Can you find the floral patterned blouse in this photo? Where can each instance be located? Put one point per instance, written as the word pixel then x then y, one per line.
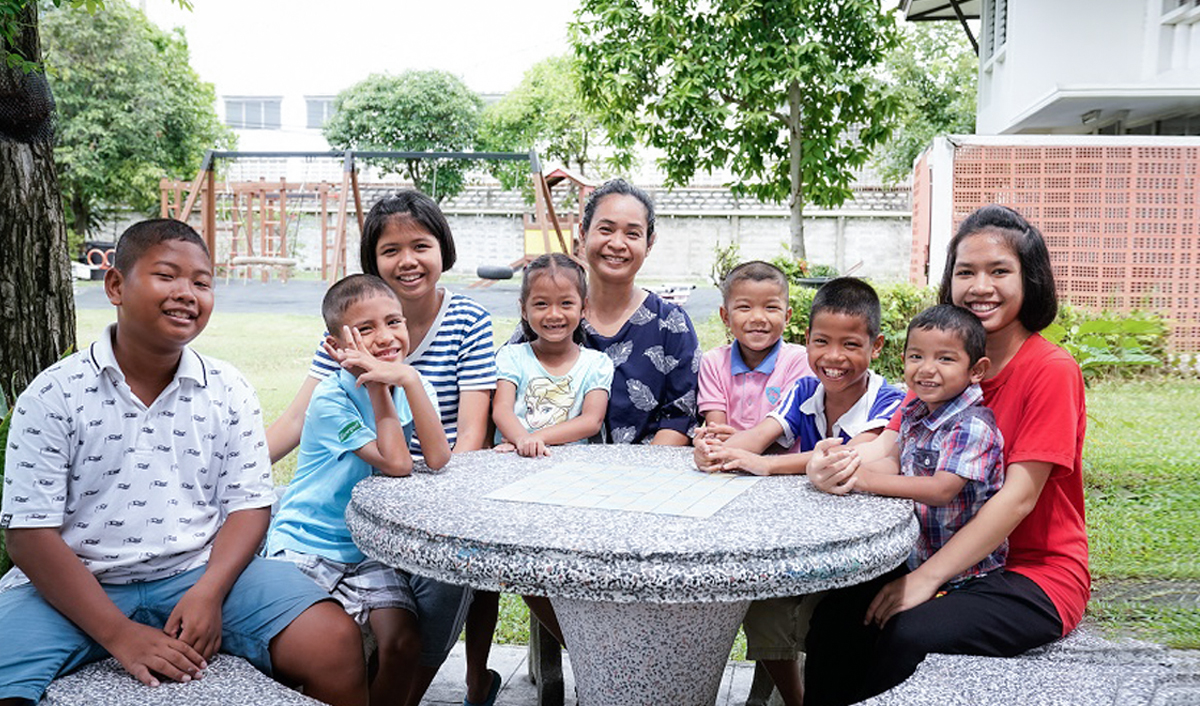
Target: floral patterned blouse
pixel 657 358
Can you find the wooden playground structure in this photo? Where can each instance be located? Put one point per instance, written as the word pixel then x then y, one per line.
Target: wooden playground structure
pixel 257 223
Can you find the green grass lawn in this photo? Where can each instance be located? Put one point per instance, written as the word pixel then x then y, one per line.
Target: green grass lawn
pixel 1142 475
pixel 1141 464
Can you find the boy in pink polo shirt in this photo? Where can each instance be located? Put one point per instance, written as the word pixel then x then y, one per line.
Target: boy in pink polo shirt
pixel 741 382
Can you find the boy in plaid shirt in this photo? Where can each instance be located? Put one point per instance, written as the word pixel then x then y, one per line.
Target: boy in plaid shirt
pixel 948 456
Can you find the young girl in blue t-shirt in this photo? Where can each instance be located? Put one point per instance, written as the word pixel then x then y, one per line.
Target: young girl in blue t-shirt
pixel 551 390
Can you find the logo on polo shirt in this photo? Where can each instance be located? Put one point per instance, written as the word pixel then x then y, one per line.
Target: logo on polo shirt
pixel 773 394
pixel 347 431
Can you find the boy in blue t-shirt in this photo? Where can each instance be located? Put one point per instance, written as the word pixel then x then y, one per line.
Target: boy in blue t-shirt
pixel 360 418
pixel 845 400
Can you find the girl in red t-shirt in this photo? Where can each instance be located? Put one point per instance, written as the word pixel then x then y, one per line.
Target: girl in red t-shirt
pixel 999 268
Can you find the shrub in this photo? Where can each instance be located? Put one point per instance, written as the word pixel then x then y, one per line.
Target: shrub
pixel 1108 344
pixel 900 303
pixel 727 258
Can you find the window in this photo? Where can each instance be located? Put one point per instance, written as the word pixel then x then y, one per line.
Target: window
pixel 995 28
pixel 253 112
pixel 320 109
pixel 1170 6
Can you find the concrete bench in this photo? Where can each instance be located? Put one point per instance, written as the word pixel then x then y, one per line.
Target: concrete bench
pixel 1082 669
pixel 228 680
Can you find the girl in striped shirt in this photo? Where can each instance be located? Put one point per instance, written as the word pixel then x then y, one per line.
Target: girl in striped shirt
pixel 407 242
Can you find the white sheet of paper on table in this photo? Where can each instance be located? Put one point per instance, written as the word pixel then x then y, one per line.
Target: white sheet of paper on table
pixel 664 491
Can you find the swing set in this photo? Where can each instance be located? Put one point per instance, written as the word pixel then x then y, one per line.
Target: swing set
pixel 260 220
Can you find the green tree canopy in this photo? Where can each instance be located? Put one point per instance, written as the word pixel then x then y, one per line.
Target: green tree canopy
pixel 545 112
pixel 417 111
pixel 935 72
pixel 780 92
pixel 130 110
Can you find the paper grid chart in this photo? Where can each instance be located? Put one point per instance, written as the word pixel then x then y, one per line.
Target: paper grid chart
pixel 665 491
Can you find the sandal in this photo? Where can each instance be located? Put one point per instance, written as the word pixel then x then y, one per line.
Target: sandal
pixel 492 692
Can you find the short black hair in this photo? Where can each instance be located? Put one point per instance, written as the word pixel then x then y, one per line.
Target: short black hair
pixel 553 264
pixel 143 235
pixel 624 188
pixel 345 293
pixel 1039 305
pixel 850 296
pixel 956 320
pixel 405 203
pixel 754 271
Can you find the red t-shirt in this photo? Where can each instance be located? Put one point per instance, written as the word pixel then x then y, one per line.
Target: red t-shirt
pixel 1039 406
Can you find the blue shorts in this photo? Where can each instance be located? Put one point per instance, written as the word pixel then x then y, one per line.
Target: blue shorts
pixel 40 644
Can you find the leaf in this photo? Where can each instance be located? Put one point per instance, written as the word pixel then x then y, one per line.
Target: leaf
pixel 1101 326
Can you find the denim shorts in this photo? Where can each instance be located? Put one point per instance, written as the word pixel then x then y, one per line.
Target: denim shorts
pixel 440 608
pixel 40 644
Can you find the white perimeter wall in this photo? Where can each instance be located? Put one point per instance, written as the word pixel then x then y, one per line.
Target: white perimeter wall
pixel 684 249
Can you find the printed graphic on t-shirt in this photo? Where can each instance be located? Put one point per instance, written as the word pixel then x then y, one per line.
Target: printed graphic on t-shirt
pixel 548 402
pixel 349 429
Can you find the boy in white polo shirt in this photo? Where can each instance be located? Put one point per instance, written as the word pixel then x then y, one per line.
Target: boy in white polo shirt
pixel 137 488
pixel 742 381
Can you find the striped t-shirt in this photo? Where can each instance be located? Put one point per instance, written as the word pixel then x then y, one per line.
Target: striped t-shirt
pixel 457 355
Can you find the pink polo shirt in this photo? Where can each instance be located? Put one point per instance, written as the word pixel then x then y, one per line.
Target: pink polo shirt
pixel 746 395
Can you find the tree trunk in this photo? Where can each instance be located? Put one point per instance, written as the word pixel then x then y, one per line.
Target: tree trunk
pixel 795 154
pixel 37 308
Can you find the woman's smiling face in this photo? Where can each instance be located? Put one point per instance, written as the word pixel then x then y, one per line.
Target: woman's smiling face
pixel 616 242
pixel 987 280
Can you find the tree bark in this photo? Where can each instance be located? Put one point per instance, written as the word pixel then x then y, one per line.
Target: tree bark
pixel 37 307
pixel 795 154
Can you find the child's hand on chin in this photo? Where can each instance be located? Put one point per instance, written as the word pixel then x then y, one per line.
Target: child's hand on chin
pixel 356 358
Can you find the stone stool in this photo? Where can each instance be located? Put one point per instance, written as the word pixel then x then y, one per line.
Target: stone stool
pixel 228 680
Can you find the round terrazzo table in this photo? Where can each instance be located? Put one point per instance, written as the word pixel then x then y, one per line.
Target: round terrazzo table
pixel 649 603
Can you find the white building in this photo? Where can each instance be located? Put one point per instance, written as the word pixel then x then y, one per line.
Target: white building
pixel 1081 66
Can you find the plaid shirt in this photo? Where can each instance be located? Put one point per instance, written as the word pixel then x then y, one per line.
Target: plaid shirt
pixel 960 438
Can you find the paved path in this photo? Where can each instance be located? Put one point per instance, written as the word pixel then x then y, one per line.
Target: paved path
pixel 516 689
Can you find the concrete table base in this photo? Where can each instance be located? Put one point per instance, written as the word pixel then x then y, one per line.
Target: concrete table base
pixel 638 654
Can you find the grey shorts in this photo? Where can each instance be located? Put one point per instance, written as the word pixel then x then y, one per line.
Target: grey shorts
pixel 441 608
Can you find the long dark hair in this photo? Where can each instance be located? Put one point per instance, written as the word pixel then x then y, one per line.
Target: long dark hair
pixel 1039 305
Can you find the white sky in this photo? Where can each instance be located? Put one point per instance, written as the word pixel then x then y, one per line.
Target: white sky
pixel 311 47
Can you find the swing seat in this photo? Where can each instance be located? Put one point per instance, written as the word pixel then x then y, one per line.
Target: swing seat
pixel 243 260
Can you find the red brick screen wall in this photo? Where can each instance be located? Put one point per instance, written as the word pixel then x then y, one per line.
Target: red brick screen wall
pixel 919 259
pixel 1120 221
